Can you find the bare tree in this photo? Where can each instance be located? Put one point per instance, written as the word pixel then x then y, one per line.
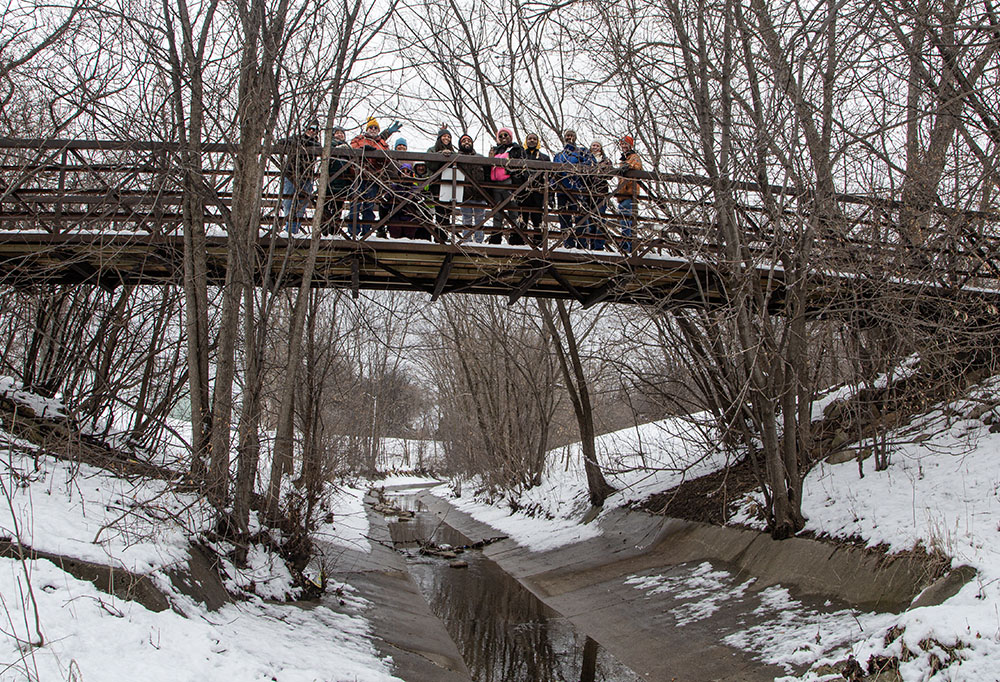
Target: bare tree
pixel 361 24
pixel 495 380
pixel 578 387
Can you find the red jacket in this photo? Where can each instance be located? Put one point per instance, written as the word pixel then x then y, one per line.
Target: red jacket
pixel 367 142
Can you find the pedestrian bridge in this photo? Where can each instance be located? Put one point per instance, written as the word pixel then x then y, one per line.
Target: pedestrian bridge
pixel 114 213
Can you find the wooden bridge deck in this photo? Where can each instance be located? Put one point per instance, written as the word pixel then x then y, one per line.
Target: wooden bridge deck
pixel 111 213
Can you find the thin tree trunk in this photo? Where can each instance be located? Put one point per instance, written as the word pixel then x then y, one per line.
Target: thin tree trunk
pixel 579 395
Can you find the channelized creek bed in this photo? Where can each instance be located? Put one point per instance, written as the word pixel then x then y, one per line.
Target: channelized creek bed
pixel 504 632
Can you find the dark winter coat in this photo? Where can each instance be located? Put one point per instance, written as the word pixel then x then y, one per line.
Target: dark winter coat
pixel 300 154
pixel 340 182
pixel 433 167
pixel 471 194
pixel 535 196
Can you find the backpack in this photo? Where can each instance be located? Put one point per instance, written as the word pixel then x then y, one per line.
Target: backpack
pixel 499 173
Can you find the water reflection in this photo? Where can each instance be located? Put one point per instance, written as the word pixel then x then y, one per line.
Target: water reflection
pixel 504 632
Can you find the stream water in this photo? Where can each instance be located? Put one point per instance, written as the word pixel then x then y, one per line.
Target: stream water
pixel 504 632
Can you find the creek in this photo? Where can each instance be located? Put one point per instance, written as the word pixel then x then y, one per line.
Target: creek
pixel 505 634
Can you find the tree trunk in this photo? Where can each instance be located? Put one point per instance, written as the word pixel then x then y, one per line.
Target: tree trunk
pixel 579 394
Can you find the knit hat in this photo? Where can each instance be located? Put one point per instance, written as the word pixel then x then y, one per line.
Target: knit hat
pixel 313 124
pixel 399 141
pixel 627 139
pixel 405 166
pixel 339 128
pixel 506 130
pixel 444 131
pixel 466 135
pixel 371 122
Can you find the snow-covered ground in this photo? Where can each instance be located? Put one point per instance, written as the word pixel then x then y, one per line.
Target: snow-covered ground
pixel 56 627
pixel 941 492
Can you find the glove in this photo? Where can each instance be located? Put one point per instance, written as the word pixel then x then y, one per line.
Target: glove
pixel 393 127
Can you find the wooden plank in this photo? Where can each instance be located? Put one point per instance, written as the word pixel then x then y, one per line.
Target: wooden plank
pixel 355 277
pixel 442 277
pixel 525 284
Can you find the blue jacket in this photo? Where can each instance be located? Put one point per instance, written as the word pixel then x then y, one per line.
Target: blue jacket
pixel 572 153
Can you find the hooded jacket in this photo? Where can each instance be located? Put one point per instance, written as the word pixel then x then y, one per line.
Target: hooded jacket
pixel 439 147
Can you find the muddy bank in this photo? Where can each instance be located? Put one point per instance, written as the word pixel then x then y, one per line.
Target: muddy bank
pixel 199 579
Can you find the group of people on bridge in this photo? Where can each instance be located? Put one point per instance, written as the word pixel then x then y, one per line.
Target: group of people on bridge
pixel 411 202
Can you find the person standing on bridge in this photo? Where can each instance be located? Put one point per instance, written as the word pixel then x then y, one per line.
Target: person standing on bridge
pixel 596 197
pixel 388 202
pixel 363 208
pixel 301 152
pixel 442 213
pixel 627 192
pixel 339 184
pixel 571 223
pixel 505 148
pixel 473 213
pixel 534 200
pixel 405 197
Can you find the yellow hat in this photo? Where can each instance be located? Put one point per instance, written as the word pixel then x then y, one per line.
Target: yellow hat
pixel 372 122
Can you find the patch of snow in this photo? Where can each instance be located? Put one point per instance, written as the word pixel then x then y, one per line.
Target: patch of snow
pixel 89 635
pixel 704 589
pixel 43 407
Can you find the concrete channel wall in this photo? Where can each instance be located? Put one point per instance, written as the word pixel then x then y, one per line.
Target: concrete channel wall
pixel 585 582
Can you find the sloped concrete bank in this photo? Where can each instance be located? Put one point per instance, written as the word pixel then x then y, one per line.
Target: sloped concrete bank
pixel 586 583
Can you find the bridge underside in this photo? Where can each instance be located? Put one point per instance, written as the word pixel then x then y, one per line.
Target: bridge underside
pixel 110 260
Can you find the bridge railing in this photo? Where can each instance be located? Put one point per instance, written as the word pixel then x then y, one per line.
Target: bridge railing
pixel 62 186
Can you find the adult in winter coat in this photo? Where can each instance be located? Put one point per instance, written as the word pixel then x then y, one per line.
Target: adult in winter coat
pixel 505 148
pixel 363 208
pixel 387 204
pixel 596 197
pixel 627 192
pixel 301 152
pixel 338 187
pixel 571 191
pixel 473 215
pixel 442 212
pixel 422 196
pixel 534 200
